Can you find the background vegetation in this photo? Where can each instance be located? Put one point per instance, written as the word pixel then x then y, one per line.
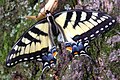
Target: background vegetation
pixel 105 49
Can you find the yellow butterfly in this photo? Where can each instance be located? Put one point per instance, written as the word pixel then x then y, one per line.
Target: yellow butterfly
pixel 73 25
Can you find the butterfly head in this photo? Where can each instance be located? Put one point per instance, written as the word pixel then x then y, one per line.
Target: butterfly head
pixel 48 13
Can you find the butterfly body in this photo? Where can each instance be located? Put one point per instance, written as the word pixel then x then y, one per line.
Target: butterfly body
pixel 74 25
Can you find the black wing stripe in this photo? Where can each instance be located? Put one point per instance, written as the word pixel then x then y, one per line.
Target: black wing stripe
pixel 27 39
pixel 28 36
pixel 69 15
pixel 79 15
pixel 38 32
pixel 89 14
pixel 20 43
pixel 77 19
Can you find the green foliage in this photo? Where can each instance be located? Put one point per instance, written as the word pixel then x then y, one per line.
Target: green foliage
pixel 3 53
pixel 115 68
pixel 72 3
pixel 1 2
pixel 10 33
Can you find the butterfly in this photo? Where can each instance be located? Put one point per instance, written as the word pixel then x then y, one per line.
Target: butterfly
pixel 38 42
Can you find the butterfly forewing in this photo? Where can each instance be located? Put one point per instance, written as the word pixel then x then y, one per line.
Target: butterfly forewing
pixel 32 44
pixel 83 25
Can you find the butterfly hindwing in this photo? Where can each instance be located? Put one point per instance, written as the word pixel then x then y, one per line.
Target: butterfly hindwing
pixel 32 44
pixel 83 25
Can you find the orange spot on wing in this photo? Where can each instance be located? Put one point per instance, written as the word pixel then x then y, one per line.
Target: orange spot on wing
pixel 75 53
pixel 69 49
pixel 54 54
